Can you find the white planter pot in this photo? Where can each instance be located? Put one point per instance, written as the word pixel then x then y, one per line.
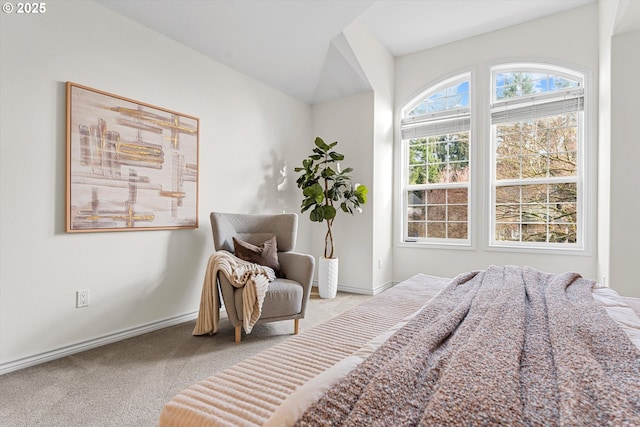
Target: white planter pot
pixel 328 277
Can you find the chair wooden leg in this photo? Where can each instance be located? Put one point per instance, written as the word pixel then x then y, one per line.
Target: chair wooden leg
pixel 296 326
pixel 238 333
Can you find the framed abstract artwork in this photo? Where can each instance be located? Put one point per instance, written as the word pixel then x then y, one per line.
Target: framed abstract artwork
pixel 130 165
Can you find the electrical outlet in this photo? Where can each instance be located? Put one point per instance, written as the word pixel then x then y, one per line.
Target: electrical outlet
pixel 82 298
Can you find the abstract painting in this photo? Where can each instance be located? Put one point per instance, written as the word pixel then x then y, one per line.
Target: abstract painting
pixel 130 165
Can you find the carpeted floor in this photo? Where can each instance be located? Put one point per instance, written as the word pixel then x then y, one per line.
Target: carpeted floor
pixel 126 383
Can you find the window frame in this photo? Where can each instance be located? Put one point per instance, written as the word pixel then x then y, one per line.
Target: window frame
pixel 405 187
pixel 582 157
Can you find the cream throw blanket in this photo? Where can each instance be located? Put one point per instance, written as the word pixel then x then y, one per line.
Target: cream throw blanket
pixel 252 278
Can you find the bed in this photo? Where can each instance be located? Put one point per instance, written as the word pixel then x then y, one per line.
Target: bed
pixel 552 349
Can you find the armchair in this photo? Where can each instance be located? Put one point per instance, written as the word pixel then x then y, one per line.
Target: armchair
pixel 286 297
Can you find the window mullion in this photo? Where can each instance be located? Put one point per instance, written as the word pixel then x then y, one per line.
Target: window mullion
pixel 535 181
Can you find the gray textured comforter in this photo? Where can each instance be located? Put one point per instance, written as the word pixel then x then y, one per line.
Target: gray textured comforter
pixel 506 346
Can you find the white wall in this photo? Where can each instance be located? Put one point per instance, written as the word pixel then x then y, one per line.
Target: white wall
pixel 378 65
pixel 362 124
pixel 625 151
pixel 248 133
pixel 350 122
pixel 606 17
pixel 569 38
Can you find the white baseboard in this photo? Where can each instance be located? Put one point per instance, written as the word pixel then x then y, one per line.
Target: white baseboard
pixel 383 287
pixel 374 291
pixel 15 365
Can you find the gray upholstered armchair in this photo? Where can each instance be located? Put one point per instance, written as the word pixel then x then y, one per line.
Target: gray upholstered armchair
pixel 287 296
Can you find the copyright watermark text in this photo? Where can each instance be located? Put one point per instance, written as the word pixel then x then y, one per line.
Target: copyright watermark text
pixel 25 8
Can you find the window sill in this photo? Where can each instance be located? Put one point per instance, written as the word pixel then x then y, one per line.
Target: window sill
pixel 466 245
pixel 573 250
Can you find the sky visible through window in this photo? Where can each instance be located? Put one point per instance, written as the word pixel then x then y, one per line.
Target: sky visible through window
pixel 516 83
pixel 448 98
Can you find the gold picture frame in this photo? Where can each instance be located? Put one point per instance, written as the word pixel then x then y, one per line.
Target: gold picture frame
pixel 130 165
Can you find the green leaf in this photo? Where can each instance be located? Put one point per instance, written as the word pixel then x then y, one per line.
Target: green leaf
pixel 327 172
pixel 333 193
pixel 321 145
pixel 361 193
pixel 336 156
pixel 329 212
pixel 317 214
pixel 314 192
pixel 308 202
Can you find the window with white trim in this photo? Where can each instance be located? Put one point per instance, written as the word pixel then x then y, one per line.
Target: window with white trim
pixel 436 136
pixel 537 154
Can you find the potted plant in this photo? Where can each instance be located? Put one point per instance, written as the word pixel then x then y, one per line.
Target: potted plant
pixel 327 190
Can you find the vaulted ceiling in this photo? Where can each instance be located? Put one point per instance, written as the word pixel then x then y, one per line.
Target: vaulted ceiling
pixel 297 47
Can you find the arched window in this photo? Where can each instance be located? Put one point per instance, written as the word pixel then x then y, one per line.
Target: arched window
pixel 436 129
pixel 537 132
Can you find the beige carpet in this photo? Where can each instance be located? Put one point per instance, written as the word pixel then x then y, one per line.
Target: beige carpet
pixel 126 383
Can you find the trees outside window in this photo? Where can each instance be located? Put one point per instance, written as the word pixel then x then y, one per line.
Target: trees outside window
pixel 537 128
pixel 535 165
pixel 436 146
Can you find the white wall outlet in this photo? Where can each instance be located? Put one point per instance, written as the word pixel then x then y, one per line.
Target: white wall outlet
pixel 82 298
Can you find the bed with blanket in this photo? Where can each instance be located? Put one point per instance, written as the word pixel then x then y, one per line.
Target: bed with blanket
pixel 502 346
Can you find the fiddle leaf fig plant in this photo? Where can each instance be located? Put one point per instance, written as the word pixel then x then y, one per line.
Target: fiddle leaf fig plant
pixel 326 187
